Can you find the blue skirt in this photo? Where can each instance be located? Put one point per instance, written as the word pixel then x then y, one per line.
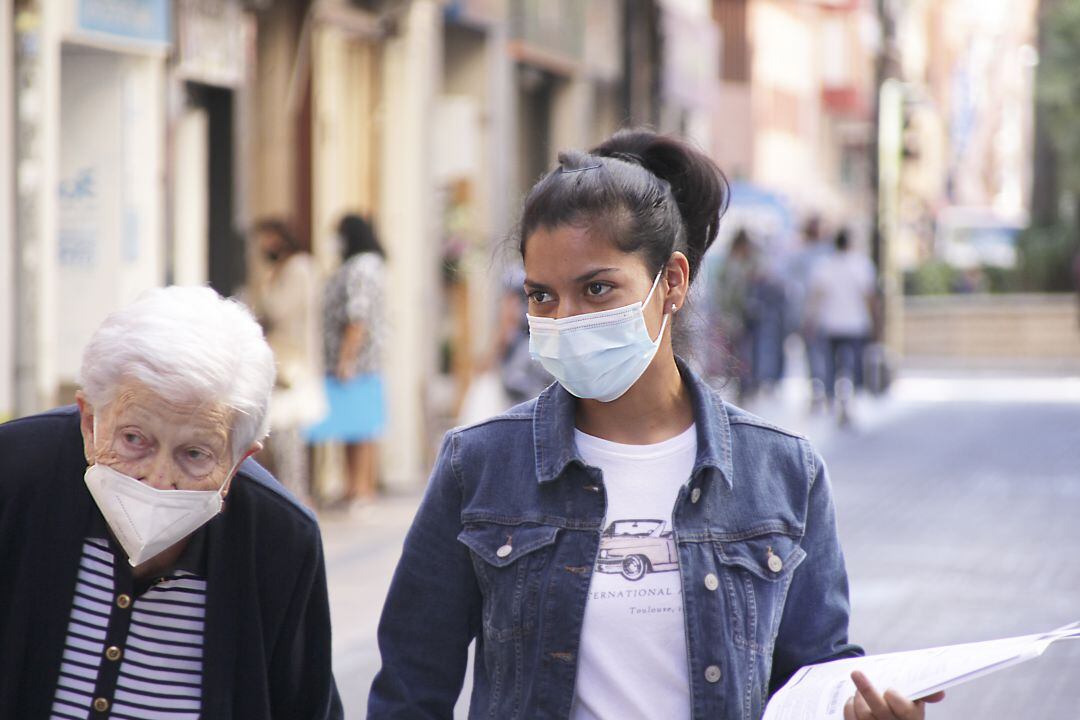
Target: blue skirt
pixel 356 410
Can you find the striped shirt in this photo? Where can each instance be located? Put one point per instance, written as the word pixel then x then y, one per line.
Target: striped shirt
pixel 130 655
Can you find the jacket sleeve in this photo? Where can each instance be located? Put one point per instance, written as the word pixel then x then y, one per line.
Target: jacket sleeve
pixel 432 609
pixel 302 682
pixel 808 637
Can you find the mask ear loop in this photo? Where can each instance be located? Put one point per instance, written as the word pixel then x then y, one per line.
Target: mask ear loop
pixel 225 486
pixel 94 425
pixel 648 298
pixel 655 283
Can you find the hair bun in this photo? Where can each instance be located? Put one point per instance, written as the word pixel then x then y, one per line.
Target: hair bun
pixel 699 187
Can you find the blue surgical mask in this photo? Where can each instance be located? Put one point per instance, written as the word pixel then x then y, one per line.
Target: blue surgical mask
pixel 597 355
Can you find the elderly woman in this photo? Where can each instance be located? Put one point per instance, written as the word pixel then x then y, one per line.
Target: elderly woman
pixel 149 569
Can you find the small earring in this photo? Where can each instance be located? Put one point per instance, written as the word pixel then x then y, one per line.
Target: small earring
pixel 673 308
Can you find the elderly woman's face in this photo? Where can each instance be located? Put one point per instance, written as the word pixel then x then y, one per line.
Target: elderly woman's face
pixel 165 445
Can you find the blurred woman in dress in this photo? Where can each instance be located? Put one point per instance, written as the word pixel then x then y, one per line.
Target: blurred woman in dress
pixel 353 332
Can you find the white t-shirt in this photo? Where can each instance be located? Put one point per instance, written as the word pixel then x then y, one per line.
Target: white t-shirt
pixel 841 283
pixel 632 661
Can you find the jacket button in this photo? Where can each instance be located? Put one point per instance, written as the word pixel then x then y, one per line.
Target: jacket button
pixel 712 673
pixel 775 563
pixel 101 704
pixel 113 653
pixel 695 495
pixel 711 582
pixel 123 601
pixel 504 551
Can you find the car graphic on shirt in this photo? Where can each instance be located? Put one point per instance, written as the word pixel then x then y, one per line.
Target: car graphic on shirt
pixel 636 548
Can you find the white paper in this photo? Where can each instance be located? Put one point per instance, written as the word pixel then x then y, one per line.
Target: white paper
pixel 818 692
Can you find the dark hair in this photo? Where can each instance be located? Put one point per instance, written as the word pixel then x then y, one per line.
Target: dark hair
pixel 654 194
pixel 280 229
pixel 358 236
pixel 741 240
pixel 842 240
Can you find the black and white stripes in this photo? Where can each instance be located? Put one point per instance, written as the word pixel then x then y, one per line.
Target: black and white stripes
pixel 131 657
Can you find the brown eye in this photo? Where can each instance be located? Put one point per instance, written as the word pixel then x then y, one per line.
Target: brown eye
pixel 539 296
pixel 597 289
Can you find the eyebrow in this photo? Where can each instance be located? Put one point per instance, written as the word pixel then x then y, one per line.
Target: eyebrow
pixel 585 277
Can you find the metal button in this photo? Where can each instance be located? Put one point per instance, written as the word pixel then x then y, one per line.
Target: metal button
pixel 123 601
pixel 712 673
pixel 113 653
pixel 775 563
pixel 711 582
pixel 101 704
pixel 504 551
pixel 695 495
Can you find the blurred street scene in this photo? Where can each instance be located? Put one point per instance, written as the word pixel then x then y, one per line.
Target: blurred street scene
pixel 898 275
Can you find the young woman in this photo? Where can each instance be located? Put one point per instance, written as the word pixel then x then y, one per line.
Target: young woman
pixel 626 545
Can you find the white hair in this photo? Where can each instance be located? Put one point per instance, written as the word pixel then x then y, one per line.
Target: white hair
pixel 186 344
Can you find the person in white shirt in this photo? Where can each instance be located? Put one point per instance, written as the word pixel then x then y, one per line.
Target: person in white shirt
pixel 842 309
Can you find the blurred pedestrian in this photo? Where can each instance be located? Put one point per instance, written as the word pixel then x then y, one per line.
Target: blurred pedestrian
pixel 508 375
pixel 627 544
pixel 800 271
pixel 150 570
pixel 522 377
pixel 770 304
pixel 736 310
pixel 841 309
pixel 353 335
pixel 286 297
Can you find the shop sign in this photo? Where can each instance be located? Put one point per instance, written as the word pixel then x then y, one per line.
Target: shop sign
pixel 211 40
pixel 144 22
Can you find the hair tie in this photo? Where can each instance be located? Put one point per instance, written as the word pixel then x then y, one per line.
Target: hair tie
pixel 564 171
pixel 632 158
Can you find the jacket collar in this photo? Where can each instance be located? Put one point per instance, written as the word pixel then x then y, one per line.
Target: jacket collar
pixel 553 429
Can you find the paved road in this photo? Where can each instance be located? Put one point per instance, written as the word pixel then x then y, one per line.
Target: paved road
pixel 959 507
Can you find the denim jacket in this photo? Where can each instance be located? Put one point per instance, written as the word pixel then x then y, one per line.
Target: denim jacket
pixel 756 514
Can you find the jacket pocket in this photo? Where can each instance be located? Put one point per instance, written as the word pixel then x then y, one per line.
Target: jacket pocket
pixel 757 574
pixel 510 562
pixel 771 557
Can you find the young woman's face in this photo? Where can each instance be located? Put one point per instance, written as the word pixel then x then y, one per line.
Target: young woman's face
pixel 570 271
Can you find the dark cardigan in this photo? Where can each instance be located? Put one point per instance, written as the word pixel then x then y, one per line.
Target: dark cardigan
pixel 267 641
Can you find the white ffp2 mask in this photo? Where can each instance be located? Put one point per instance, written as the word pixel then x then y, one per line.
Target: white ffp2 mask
pixel 596 355
pixel 147 521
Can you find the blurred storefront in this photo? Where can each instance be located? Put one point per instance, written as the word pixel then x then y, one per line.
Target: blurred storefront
pixel 207 143
pixel 90 117
pixel 805 134
pixel 169 126
pixel 7 218
pixel 691 70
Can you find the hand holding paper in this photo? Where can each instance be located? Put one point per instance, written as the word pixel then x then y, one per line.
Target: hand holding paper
pixel 820 692
pixel 869 704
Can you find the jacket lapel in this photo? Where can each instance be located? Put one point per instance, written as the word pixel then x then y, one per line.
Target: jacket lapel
pixel 61 516
pixel 222 623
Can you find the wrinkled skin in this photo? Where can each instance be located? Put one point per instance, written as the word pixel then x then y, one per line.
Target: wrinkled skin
pixel 166 445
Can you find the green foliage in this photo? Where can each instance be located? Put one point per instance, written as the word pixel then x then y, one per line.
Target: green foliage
pixel 998 280
pixel 1057 85
pixel 1046 257
pixel 933 277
